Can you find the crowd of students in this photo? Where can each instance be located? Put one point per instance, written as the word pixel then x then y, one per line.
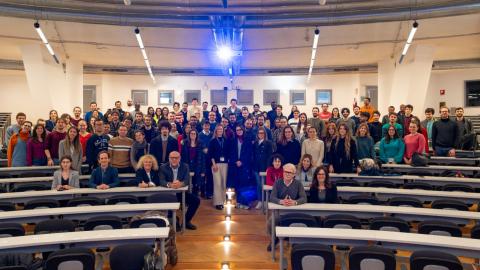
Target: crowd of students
pixel 229 148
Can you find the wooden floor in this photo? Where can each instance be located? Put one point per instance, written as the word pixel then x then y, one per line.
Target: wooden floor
pixel 204 248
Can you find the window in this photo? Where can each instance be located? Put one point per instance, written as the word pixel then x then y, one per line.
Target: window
pixel 323 96
pixel 140 97
pixel 218 97
pixel 297 97
pixel 270 96
pixel 245 97
pixel 472 93
pixel 191 94
pixel 166 97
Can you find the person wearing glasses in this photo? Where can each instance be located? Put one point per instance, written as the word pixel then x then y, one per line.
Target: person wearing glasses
pixel 287 192
pixel 175 174
pixel 321 189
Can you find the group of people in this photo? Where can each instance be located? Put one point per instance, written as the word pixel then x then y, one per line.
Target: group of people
pixel 229 148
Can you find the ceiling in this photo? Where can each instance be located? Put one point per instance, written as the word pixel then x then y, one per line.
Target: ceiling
pixel 456 37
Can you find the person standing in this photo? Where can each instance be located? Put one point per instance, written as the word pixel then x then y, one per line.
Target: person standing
pixel 317 122
pixel 342 156
pixel 367 107
pixel 119 151
pixel 444 134
pixel 289 147
pixel 70 146
pixel 262 154
pixel 218 152
pixel 97 143
pixel 428 123
pixel 162 145
pixel 414 143
pixel 17 146
pixel 314 147
pixel 15 128
pixel 325 115
pixel 36 147
pixel 466 136
pixel 53 142
pixel 77 116
pixel 192 154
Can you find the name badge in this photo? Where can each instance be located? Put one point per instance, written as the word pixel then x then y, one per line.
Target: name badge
pixel 222 159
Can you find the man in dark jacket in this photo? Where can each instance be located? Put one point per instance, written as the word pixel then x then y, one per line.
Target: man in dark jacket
pixel 162 145
pixel 466 135
pixel 175 174
pixel 444 135
pixel 98 142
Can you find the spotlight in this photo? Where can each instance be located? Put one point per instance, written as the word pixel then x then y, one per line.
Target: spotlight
pixel 227 238
pixel 225 53
pixel 228 218
pixel 225 266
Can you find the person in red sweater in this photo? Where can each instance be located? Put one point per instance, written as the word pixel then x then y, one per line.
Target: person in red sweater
pixel 414 142
pixel 84 136
pixel 275 171
pixel 423 131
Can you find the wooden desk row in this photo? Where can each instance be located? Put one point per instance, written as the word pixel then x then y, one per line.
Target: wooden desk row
pixel 88 239
pixel 22 197
pixel 393 240
pixel 372 211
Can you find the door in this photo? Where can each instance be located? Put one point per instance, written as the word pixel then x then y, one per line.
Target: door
pixel 89 95
pixel 372 93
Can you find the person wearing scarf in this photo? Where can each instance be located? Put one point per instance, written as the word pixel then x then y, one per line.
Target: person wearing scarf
pixel 139 148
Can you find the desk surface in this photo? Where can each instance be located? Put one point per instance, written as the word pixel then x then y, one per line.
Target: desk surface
pixel 411 192
pixel 459 180
pixel 431 167
pixel 87 191
pixel 79 210
pixel 458 243
pixel 31 241
pixel 358 208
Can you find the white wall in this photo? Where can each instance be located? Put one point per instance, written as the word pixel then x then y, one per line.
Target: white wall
pixel 453 81
pixel 15 94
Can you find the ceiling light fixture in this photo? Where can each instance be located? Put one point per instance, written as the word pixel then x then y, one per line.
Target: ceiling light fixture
pixel 225 53
pixel 45 41
pixel 144 53
pixel 314 52
pixel 409 41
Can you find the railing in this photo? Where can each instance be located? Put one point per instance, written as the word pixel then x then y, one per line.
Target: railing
pixel 5 121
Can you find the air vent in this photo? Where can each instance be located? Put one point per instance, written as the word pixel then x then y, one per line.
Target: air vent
pixel 118 70
pixel 182 71
pixel 282 71
pixel 345 69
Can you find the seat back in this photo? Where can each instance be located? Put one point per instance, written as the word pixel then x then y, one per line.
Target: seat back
pixel 450 204
pixel 298 220
pixel 30 187
pixel 312 257
pixel 16 267
pixel 391 224
pixel 129 256
pixel 162 198
pixel 372 258
pixel 405 202
pixel 342 222
pixel 54 226
pixel 11 229
pixel 41 203
pixel 149 223
pixel 422 260
pixel 346 183
pixel 84 201
pixel 7 206
pixel 475 232
pixel 103 223
pixel 417 185
pixel 363 199
pixel 381 183
pixel 122 199
pixel 71 259
pixel 444 228
pixel 458 187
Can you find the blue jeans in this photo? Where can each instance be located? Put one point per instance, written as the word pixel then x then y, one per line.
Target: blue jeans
pixel 259 181
pixel 442 151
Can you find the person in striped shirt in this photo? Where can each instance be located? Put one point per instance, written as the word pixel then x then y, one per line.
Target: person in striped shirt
pixel 119 151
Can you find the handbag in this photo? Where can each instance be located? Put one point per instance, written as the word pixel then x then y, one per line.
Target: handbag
pixel 419 160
